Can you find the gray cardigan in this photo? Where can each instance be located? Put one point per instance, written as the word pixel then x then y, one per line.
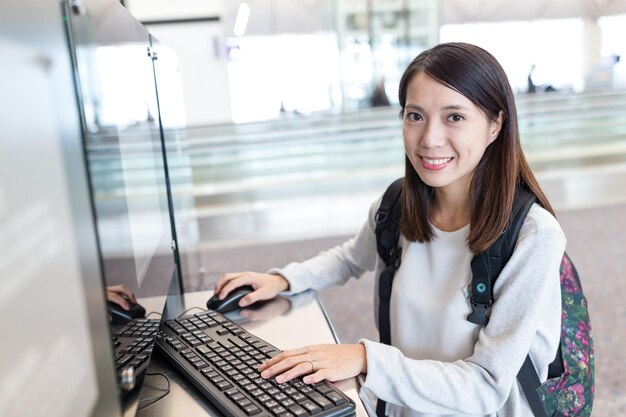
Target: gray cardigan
pixel 526 316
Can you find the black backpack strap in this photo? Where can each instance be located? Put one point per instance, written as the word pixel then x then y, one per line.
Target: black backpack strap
pixel 529 380
pixel 487 265
pixel 486 268
pixel 388 222
pixel 387 238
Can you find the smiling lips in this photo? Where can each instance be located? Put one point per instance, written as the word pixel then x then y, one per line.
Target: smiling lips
pixel 435 164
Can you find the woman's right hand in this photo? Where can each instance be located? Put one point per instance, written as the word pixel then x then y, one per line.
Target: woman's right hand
pixel 121 295
pixel 266 286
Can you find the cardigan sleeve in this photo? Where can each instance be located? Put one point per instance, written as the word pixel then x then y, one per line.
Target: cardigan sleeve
pixel 526 296
pixel 335 266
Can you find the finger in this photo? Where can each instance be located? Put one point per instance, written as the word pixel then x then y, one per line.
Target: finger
pixel 118 299
pixel 243 279
pixel 224 280
pixel 281 357
pixel 303 368
pixel 254 296
pixel 115 288
pixel 279 364
pixel 316 377
pixel 124 290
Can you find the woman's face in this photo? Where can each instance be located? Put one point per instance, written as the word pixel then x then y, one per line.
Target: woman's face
pixel 445 134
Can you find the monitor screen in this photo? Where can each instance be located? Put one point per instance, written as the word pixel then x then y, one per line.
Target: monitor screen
pixel 123 145
pixel 125 154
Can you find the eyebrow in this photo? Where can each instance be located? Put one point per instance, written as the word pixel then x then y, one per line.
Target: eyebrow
pixel 448 107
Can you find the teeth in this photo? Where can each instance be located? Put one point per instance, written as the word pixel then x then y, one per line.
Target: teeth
pixel 437 161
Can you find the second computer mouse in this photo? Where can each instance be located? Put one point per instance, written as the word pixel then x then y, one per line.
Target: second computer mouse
pixel 119 315
pixel 231 301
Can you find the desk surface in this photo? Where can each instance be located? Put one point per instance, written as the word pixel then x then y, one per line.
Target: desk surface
pixel 286 323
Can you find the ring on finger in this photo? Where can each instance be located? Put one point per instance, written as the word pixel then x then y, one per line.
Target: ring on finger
pixel 312 366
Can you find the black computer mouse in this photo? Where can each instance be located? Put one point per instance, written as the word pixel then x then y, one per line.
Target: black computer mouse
pixel 119 315
pixel 231 301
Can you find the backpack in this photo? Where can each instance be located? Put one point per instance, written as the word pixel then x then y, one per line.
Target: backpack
pixel 569 389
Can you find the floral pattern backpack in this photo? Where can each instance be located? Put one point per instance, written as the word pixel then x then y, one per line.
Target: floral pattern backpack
pixel 569 390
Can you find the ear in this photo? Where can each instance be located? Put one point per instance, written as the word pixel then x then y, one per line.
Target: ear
pixel 495 126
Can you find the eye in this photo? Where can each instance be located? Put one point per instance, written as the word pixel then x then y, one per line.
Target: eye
pixel 413 117
pixel 456 117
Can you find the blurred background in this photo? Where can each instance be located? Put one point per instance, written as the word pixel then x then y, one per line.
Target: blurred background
pixel 287 130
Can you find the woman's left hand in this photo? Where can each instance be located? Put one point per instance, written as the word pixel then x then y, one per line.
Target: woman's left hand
pixel 317 362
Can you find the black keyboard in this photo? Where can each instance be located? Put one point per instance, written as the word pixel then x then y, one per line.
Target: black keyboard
pixel 133 345
pixel 221 360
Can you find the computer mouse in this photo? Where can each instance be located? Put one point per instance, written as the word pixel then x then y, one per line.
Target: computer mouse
pixel 119 315
pixel 231 301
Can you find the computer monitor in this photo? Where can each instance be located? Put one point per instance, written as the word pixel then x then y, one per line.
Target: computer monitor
pixel 123 145
pixel 55 355
pixel 123 138
pixel 83 200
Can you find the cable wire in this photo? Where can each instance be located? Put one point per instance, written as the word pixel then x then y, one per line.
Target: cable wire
pixel 147 402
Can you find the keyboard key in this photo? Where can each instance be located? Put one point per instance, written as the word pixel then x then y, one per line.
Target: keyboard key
pixel 310 406
pixel 263 398
pixel 335 398
pixel 232 392
pixel 252 410
pixel 124 360
pixel 227 345
pixel 280 396
pixel 271 404
pixel 298 411
pixel 237 397
pixel 278 410
pixel 299 398
pixel 209 373
pixel 323 388
pixel 133 364
pixel 306 389
pixel 288 403
pixel 203 349
pixel 238 342
pixel 321 401
pixel 223 385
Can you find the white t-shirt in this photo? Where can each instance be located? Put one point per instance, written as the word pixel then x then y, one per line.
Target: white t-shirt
pixel 429 303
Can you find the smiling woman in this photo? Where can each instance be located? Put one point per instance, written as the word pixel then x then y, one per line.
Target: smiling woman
pixel 463 165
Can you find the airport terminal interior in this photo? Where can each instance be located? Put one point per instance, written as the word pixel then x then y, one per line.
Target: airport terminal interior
pixel 269 124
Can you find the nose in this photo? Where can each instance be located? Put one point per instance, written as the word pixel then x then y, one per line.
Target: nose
pixel 433 135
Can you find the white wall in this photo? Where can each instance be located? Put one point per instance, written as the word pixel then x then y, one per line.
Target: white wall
pixel 200 47
pixel 203 68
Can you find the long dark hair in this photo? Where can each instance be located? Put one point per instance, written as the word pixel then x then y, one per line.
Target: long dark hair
pixel 477 75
